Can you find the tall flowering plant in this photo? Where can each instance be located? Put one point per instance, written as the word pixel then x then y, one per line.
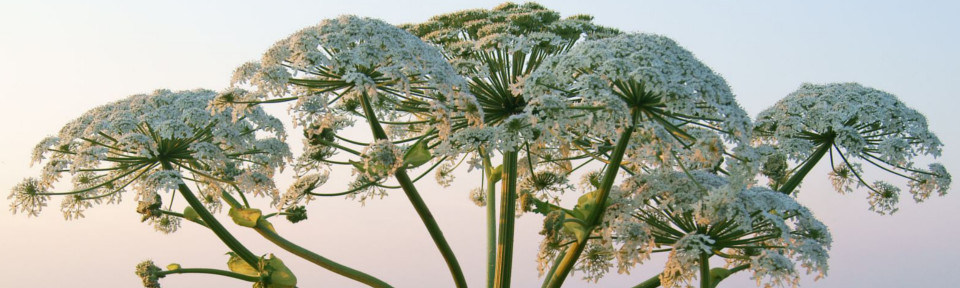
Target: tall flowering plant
pixel 667 160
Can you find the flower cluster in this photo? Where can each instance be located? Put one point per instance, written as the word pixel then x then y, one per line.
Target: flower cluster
pixel 341 59
pixel 153 143
pixel 497 50
pixel 856 123
pixel 600 87
pixel 700 213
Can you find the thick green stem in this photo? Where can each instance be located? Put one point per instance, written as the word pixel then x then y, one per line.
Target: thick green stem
pixel 243 277
pixel 705 271
pixel 508 210
pixel 609 175
pixel 798 176
pixel 213 224
pixel 268 233
pixel 491 190
pixel 406 184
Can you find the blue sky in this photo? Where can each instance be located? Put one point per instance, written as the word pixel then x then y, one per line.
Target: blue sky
pixel 59 59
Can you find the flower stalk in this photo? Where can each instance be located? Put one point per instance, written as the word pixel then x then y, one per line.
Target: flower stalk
pixel 609 175
pixel 406 184
pixel 213 223
pixel 230 274
pixel 266 230
pixel 801 173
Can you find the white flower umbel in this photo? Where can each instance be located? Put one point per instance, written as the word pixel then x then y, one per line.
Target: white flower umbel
pixel 125 144
pixel 600 87
pixel 855 125
pixel 496 50
pixel 700 213
pixel 330 65
pixel 380 160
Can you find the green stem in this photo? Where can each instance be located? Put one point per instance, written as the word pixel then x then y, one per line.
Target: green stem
pixel 406 184
pixel 705 271
pixel 717 274
pixel 508 210
pixel 553 269
pixel 798 176
pixel 266 230
pixel 432 227
pixel 243 277
pixel 653 282
pixel 609 175
pixel 213 224
pixel 491 190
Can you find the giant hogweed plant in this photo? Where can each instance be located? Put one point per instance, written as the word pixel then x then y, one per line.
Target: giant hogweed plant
pixel 667 161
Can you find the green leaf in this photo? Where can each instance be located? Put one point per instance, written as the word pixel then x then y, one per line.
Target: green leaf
pixel 280 275
pixel 574 227
pixel 497 174
pixel 190 214
pixel 245 217
pixel 541 207
pixel 586 204
pixel 266 224
pixel 417 155
pixel 237 265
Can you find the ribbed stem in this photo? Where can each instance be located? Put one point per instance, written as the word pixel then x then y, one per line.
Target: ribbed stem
pixel 213 224
pixel 508 210
pixel 609 175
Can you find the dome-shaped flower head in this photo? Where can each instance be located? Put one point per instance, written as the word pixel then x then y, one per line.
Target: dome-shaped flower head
pixel 853 123
pixel 496 50
pixel 126 144
pixel 353 68
pixel 600 87
pixel 331 65
pixel 700 213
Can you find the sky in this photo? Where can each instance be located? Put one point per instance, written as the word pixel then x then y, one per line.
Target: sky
pixel 61 58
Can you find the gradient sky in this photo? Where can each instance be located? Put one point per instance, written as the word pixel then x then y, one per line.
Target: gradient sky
pixel 59 59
